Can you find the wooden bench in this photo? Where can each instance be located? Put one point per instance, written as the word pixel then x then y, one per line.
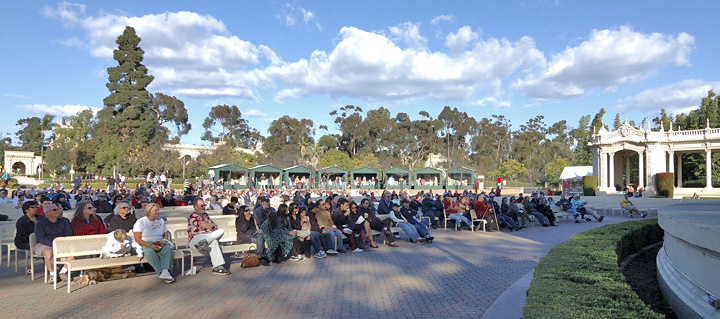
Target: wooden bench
pixel 88 247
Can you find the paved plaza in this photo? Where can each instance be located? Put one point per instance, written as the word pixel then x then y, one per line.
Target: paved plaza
pixel 459 275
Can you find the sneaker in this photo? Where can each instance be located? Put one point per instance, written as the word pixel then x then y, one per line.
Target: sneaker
pixel 52 279
pixel 577 221
pixel 332 252
pixel 601 218
pixel 165 275
pixel 202 246
pixel 347 231
pixel 220 270
pixel 320 255
pixel 295 258
pixel 342 251
pixel 429 239
pixel 357 250
pixel 643 215
pixel 587 219
pixel 421 240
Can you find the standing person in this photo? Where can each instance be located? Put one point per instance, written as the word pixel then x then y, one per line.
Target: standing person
pixel 151 233
pixel 260 214
pixel 77 183
pixel 46 230
pixel 4 177
pixel 499 182
pixel 204 235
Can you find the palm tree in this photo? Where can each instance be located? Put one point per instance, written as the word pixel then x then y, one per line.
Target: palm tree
pixel 46 124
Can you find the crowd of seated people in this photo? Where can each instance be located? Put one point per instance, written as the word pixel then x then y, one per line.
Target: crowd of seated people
pixel 286 224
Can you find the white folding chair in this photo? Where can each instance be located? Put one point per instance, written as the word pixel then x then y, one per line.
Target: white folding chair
pixel 32 256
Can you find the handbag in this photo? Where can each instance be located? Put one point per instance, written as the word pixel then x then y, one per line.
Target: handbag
pixel 250 260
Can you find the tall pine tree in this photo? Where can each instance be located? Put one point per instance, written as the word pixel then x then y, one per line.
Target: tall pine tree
pixel 126 121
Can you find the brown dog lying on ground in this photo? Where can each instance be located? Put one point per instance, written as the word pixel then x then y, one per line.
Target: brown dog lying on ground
pixel 92 277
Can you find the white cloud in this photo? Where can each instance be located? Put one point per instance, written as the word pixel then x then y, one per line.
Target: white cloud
pixel 370 66
pixel 253 113
pixel 457 42
pixel 191 54
pixel 17 96
pixel 442 17
pixel 409 33
pixel 57 110
pixel 608 58
pixel 290 13
pixel 675 98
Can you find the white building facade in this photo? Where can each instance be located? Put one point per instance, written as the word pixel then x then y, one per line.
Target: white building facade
pixel 658 152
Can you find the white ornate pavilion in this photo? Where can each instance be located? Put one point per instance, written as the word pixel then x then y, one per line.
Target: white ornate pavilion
pixel 658 152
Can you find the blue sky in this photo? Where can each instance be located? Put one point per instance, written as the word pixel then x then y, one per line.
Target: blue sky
pixel 560 59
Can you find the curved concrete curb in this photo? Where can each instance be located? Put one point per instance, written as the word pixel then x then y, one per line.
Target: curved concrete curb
pixel 510 303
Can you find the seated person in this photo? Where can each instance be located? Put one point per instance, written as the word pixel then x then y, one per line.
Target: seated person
pixel 429 209
pixel 168 200
pixel 413 218
pixel 213 204
pixel 118 244
pixel 204 235
pixel 25 225
pixel 276 238
pixel 330 230
pixel 245 225
pixel 152 235
pixel 102 206
pixel 485 211
pixel 46 230
pixel 510 208
pixel 581 206
pixel 346 215
pixel 530 209
pixel 503 219
pixel 86 222
pixel 453 213
pixel 627 204
pixel 375 223
pixel 122 218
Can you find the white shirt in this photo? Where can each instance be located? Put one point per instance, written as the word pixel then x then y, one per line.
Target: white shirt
pixel 113 248
pixel 5 200
pixel 152 231
pixel 215 206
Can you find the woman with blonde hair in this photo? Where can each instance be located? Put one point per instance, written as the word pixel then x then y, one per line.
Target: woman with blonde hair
pixel 152 235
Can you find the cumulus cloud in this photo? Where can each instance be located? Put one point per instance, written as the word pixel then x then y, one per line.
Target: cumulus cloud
pixel 371 66
pixel 409 34
pixel 608 58
pixel 57 110
pixel 441 18
pixel 290 13
pixel 192 54
pixel 676 98
pixel 457 42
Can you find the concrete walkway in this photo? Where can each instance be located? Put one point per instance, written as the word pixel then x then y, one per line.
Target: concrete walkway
pixel 461 275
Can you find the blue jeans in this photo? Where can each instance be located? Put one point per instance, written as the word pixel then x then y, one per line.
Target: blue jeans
pixel 432 215
pixel 422 229
pixel 509 223
pixel 318 241
pixel 410 230
pixel 334 239
pixel 457 217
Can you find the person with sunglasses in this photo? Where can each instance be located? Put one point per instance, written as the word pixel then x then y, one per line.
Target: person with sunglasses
pixel 86 222
pixel 46 230
pixel 25 225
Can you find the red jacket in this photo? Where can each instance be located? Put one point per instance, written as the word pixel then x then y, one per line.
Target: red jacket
pixel 482 208
pixel 448 204
pixel 82 227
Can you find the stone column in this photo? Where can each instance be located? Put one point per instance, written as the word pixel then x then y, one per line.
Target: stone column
pixel 679 170
pixel 611 172
pixel 671 162
pixel 627 170
pixel 641 169
pixel 708 168
pixel 603 170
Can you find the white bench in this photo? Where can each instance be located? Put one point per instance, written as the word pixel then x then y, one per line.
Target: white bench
pixel 88 247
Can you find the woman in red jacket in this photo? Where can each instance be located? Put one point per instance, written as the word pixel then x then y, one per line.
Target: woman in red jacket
pixel 85 222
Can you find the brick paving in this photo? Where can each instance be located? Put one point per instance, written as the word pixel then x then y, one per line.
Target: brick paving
pixel 457 276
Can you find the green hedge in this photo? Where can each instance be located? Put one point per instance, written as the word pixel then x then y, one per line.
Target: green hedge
pixel 590 184
pixel 580 278
pixel 665 184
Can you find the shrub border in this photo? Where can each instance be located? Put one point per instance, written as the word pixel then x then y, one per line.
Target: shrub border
pixel 580 278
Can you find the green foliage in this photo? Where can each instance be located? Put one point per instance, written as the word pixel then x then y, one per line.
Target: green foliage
pixel 290 141
pixel 510 170
pixel 170 110
pixel 665 183
pixel 554 169
pixel 32 132
pixel 335 157
pixel 580 278
pixel 590 184
pixel 225 124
